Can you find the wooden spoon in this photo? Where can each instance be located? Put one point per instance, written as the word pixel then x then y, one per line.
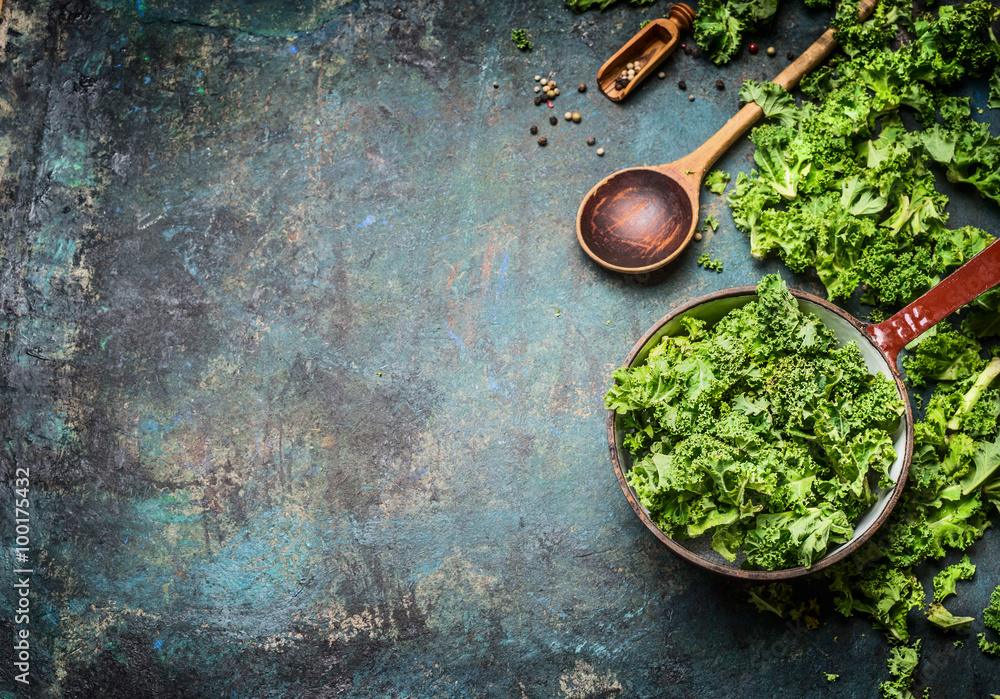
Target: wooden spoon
pixel 649 47
pixel 640 218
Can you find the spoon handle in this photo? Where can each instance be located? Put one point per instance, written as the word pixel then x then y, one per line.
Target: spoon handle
pixel 978 275
pixel 705 156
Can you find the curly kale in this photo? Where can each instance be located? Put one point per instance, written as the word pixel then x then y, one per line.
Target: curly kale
pixel 902 664
pixel 760 431
pixel 584 5
pixel 520 39
pixel 947 579
pixel 721 24
pixel 944 356
pixel 844 187
pixel 991 618
pixel 716 181
pixel 983 319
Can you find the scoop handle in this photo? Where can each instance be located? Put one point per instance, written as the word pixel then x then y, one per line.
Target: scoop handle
pixel 977 276
pixel 705 156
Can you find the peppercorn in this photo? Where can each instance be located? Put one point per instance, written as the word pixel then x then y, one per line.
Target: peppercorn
pixel 690 98
pixel 537 89
pixel 661 75
pixel 576 117
pixel 553 120
pixel 538 78
pixel 591 141
pixel 697 237
pixel 556 91
pixel 569 116
pixel 696 52
pixel 542 141
pixel 682 85
pixel 533 130
pixel 719 85
pixel 496 85
pixel 771 51
pixel 741 104
pixel 621 83
pixel 600 151
pixel 550 93
pixel 582 87
pixel 752 48
pixel 790 56
pixel 687 50
pixel 538 100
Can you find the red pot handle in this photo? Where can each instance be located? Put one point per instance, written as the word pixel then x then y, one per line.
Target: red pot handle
pixel 978 275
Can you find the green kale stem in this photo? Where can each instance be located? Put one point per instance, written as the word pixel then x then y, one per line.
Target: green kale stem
pixel 973 395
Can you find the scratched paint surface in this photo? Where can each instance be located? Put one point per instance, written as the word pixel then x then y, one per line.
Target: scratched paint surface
pixel 307 365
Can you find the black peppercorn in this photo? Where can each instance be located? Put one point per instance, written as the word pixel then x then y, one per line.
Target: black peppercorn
pixel 553 120
pixel 542 141
pixel 719 85
pixel 790 56
pixel 682 85
pixel 538 101
pixel 533 129
pixel 696 53
pixel 495 85
pixel 591 141
pixel 621 83
pixel 582 88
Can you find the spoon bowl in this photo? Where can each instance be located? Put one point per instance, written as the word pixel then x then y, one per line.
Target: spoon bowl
pixel 636 220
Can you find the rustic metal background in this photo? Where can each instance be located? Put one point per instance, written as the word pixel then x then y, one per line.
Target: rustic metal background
pixel 307 365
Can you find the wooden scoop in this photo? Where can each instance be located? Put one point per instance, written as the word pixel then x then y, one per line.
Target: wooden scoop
pixel 639 219
pixel 649 47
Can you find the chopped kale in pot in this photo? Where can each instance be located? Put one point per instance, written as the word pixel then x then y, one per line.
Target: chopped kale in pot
pixel 761 431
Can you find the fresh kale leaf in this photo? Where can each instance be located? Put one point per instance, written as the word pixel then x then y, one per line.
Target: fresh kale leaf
pixel 775 101
pixel 716 181
pixel 584 5
pixel 986 461
pixel 947 579
pixel 902 664
pixel 945 620
pixel 720 24
pixel 983 319
pixel 991 618
pixel 945 356
pixel 520 39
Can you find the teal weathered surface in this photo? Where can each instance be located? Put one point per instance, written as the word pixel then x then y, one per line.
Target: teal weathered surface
pixel 307 365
